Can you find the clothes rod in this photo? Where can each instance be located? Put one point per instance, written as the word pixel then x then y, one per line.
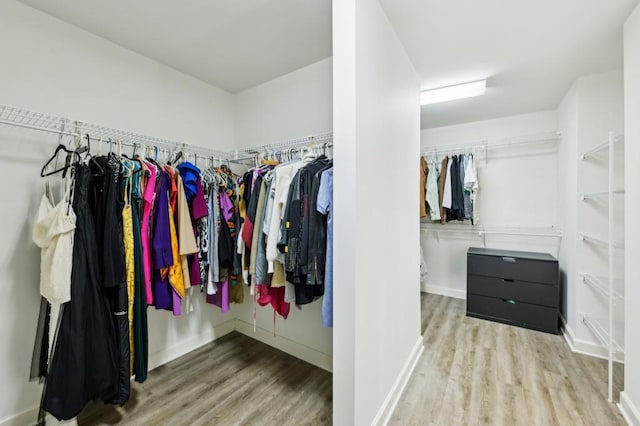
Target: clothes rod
pixel 19 117
pixel 601 147
pixel 485 145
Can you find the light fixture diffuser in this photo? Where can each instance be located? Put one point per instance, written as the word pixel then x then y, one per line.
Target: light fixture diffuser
pixel 450 93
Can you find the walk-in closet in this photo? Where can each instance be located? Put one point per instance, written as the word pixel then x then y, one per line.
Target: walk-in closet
pixel 140 146
pixel 354 212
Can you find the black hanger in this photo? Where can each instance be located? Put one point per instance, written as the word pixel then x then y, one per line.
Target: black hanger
pixel 141 169
pixel 175 160
pixel 99 172
pixel 67 163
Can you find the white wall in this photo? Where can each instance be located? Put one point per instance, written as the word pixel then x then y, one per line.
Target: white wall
pixel 592 107
pixel 53 67
pixel 517 189
pixel 630 398
pixel 567 201
pixel 345 215
pixel 292 106
pixel 377 122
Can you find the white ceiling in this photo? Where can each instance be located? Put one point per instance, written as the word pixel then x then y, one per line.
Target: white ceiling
pixel 231 44
pixel 530 50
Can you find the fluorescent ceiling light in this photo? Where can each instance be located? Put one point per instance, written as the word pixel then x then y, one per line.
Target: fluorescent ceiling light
pixel 450 93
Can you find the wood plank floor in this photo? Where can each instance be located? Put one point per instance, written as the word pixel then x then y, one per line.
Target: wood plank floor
pixel 476 372
pixel 472 372
pixel 234 380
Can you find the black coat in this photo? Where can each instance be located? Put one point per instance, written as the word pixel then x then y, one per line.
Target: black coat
pixel 299 224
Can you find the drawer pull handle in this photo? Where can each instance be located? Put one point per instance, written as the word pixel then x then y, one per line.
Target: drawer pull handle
pixel 510 301
pixel 509 259
pixel 507 280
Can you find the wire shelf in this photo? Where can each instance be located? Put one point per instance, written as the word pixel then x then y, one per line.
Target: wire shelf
pixel 486 145
pixel 321 138
pixel 600 285
pixel 601 148
pixel 63 126
pixel 482 230
pixel 31 120
pixel 600 331
pixel 588 238
pixel 584 196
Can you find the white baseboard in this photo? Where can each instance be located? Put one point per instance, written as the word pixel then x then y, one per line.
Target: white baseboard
pixel 584 347
pixel 25 418
pixel 391 401
pixel 30 417
pixel 298 350
pixel 443 291
pixel 166 355
pixel 629 411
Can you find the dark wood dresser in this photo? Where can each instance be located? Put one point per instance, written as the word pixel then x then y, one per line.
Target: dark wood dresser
pixel 514 287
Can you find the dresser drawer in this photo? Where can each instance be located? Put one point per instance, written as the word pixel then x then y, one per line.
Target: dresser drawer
pixel 521 291
pixel 527 315
pixel 514 268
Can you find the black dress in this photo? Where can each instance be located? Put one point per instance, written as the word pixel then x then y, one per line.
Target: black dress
pixel 107 206
pixel 457 197
pixel 140 334
pixel 84 365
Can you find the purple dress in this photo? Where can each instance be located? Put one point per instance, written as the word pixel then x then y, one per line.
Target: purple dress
pixel 221 298
pixel 162 252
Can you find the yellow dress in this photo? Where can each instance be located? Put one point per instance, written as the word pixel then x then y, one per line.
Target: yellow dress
pixel 176 278
pixel 127 227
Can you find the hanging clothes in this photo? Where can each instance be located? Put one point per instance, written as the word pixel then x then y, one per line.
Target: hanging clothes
pixel 186 239
pixel 325 206
pixel 442 189
pixel 148 202
pixel 162 249
pixel 127 225
pixel 447 198
pixel 108 205
pixel 140 327
pixel 314 265
pixel 281 183
pixel 424 171
pixel 199 211
pixel 433 203
pixel 53 232
pixel 471 191
pixel 221 298
pixel 262 196
pixel 190 175
pixel 202 235
pixel 176 278
pixel 86 340
pixel 213 232
pixel 456 209
pixel 296 234
pixel 124 238
pixel 261 264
